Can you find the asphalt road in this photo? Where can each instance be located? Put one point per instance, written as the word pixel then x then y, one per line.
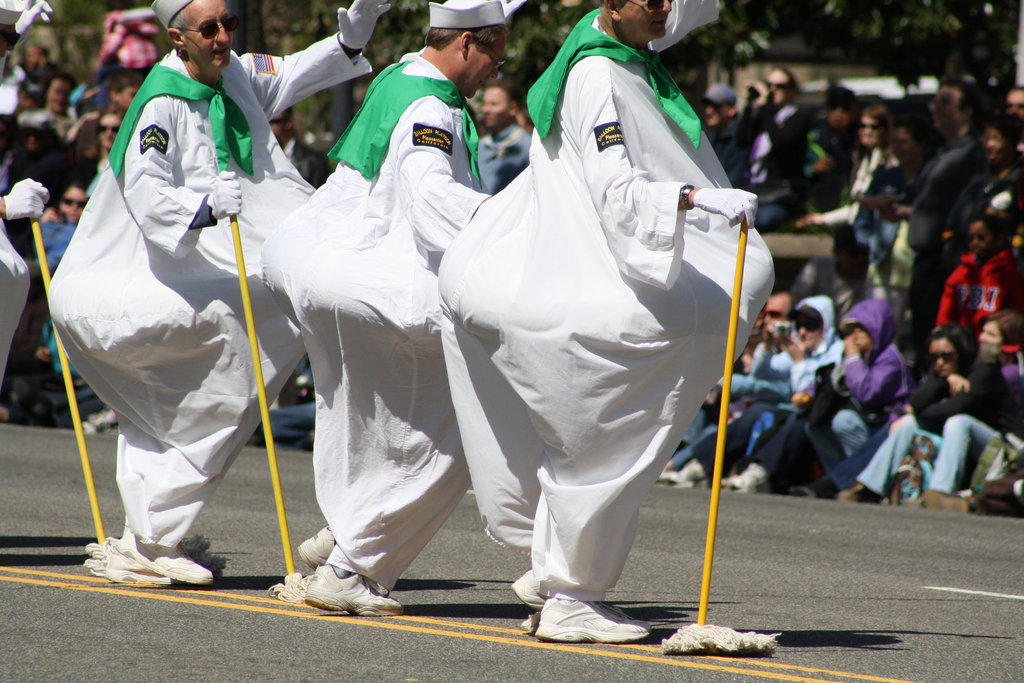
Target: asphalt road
pixel 858 592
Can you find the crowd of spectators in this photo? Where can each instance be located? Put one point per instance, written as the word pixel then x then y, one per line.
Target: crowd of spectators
pixel 836 393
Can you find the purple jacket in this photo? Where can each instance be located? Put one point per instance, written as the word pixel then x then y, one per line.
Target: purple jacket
pixel 882 380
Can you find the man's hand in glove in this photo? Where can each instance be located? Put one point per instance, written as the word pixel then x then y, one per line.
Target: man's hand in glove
pixel 27 198
pixel 226 198
pixel 356 23
pixel 733 204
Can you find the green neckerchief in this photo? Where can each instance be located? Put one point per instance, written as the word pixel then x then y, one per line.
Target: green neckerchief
pixel 365 142
pixel 583 41
pixel 231 134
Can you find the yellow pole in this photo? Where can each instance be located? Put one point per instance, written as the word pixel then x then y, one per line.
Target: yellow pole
pixel 69 386
pixel 261 389
pixel 723 419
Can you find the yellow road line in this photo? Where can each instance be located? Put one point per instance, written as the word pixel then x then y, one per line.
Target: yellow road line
pixel 81 583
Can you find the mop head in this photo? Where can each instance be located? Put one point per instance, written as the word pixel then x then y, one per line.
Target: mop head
pixel 105 560
pixel 293 589
pixel 718 640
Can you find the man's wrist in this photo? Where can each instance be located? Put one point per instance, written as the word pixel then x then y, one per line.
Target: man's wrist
pixel 686 196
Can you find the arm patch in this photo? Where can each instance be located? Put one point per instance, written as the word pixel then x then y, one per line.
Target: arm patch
pixel 263 64
pixel 153 137
pixel 428 136
pixel 608 134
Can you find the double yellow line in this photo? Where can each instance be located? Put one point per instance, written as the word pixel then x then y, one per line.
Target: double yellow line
pixel 756 668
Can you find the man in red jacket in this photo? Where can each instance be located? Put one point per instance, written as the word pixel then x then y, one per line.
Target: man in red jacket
pixel 986 280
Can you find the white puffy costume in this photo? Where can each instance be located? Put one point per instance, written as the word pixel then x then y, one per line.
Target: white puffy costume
pixel 14 282
pixel 150 311
pixel 356 268
pixel 590 319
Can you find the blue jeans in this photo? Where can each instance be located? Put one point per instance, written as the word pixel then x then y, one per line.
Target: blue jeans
pixel 878 475
pixel 963 439
pixel 838 440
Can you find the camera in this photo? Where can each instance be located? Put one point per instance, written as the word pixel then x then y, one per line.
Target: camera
pixel 753 94
pixel 782 329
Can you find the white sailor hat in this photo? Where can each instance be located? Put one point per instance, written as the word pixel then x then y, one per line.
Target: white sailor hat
pixel 10 10
pixel 166 10
pixel 472 13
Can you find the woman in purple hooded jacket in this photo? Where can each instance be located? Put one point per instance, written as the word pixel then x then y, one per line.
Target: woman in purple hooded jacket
pixel 873 376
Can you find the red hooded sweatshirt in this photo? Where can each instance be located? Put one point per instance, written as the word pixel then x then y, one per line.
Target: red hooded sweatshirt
pixel 973 292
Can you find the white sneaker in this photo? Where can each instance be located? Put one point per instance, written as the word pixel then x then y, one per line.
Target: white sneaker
pixel 575 621
pixel 354 594
pixel 315 551
pixel 107 561
pixel 172 563
pixel 753 479
pixel 527 589
pixel 691 476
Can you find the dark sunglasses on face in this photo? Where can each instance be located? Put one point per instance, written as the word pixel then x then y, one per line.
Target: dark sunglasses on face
pixel 80 203
pixel 871 126
pixel 109 129
pixel 809 324
pixel 944 356
pixel 210 29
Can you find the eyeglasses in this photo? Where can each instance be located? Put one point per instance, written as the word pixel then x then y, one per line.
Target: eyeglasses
pixel 778 86
pixel 809 324
pixel 210 29
pixel 12 38
pixel 1014 105
pixel 944 356
pixel 652 5
pixel 870 126
pixel 80 203
pixel 109 129
pixel 498 63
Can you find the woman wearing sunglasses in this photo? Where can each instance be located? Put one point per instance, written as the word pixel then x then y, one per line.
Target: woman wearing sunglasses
pixel 170 354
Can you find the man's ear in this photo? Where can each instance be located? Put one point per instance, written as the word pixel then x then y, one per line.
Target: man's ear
pixel 465 40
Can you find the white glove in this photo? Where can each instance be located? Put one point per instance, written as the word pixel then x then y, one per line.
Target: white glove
pixel 27 198
pixel 733 204
pixel 38 8
pixel 356 23
pixel 226 198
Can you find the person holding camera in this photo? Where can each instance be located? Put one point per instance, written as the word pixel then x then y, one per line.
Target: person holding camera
pixel 775 130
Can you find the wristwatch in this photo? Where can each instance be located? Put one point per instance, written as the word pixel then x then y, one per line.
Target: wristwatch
pixel 684 195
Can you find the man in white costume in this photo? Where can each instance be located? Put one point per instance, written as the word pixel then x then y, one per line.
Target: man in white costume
pixel 26 199
pixel 356 268
pixel 590 302
pixel 147 297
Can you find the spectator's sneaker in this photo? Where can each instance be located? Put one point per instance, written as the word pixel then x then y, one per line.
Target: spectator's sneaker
pixel 354 594
pixel 164 561
pixel 753 479
pixel 690 476
pixel 574 621
pixel 103 421
pixel 315 551
pixel 527 589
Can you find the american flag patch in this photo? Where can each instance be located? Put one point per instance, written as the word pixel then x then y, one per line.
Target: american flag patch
pixel 264 64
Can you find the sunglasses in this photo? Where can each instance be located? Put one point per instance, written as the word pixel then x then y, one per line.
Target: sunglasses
pixel 498 63
pixel 80 203
pixel 870 126
pixel 652 5
pixel 12 38
pixel 109 129
pixel 210 29
pixel 809 324
pixel 944 356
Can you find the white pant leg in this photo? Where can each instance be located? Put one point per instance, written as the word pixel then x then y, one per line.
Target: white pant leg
pixel 503 450
pixel 14 282
pixel 387 456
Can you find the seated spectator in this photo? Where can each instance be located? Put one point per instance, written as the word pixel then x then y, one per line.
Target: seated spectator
pixel 873 382
pixel 59 226
pixel 766 379
pixel 842 277
pixel 871 153
pixel 44 161
pixel 830 150
pixel 775 130
pixel 811 346
pixel 987 279
pixel 943 393
pixel 965 436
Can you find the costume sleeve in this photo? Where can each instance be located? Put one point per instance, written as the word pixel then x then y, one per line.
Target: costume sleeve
pixel 639 216
pixel 428 188
pixel 162 201
pixel 280 82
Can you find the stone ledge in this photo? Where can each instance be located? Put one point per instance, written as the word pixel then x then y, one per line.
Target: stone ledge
pixel 797 246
